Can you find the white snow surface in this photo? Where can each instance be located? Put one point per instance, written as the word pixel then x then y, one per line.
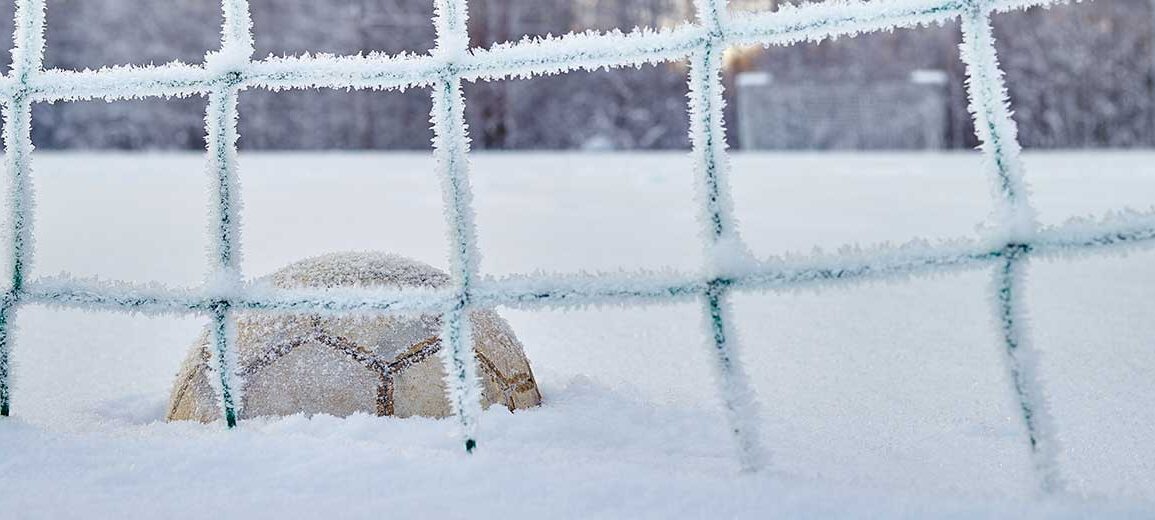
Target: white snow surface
pixel 877 399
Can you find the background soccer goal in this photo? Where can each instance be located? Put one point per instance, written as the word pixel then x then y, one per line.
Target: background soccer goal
pixel 1012 239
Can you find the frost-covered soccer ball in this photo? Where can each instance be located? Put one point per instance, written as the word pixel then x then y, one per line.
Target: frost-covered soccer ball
pixel 340 365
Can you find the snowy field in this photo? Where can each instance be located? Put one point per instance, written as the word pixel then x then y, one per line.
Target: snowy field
pixel 877 399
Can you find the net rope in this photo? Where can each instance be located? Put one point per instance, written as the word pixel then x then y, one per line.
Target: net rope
pixel 1014 238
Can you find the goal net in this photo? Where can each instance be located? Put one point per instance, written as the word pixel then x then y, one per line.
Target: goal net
pixel 1013 237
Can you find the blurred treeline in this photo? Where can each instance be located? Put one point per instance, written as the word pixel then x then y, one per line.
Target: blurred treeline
pixel 1080 75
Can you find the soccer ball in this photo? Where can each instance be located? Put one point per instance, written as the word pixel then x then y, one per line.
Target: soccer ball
pixel 341 365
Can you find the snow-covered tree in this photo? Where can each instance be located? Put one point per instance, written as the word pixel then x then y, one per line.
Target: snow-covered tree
pixel 1079 76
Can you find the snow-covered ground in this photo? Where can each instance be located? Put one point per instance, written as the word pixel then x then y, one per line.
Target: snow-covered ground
pixel 877 399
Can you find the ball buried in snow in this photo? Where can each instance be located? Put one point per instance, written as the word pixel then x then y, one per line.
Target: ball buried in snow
pixel 340 365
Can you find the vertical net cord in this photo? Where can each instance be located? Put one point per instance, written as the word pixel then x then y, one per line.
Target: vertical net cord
pixel 221 129
pixel 997 134
pixel 27 61
pixel 451 148
pixel 719 231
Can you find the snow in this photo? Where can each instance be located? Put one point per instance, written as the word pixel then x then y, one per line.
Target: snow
pixel 728 262
pixel 876 398
pixel 224 286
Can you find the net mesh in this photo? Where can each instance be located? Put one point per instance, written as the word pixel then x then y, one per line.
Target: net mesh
pixel 1014 236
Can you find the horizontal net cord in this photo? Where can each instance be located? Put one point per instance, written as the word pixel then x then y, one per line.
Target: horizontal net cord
pixel 527 58
pixel 546 290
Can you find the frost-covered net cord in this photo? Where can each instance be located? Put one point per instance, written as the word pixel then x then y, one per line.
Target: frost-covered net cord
pixel 221 126
pixel 27 61
pixel 231 69
pixel 719 230
pixel 450 146
pixel 1015 217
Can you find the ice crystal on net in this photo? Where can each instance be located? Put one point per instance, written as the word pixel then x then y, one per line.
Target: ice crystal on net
pixel 1013 234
